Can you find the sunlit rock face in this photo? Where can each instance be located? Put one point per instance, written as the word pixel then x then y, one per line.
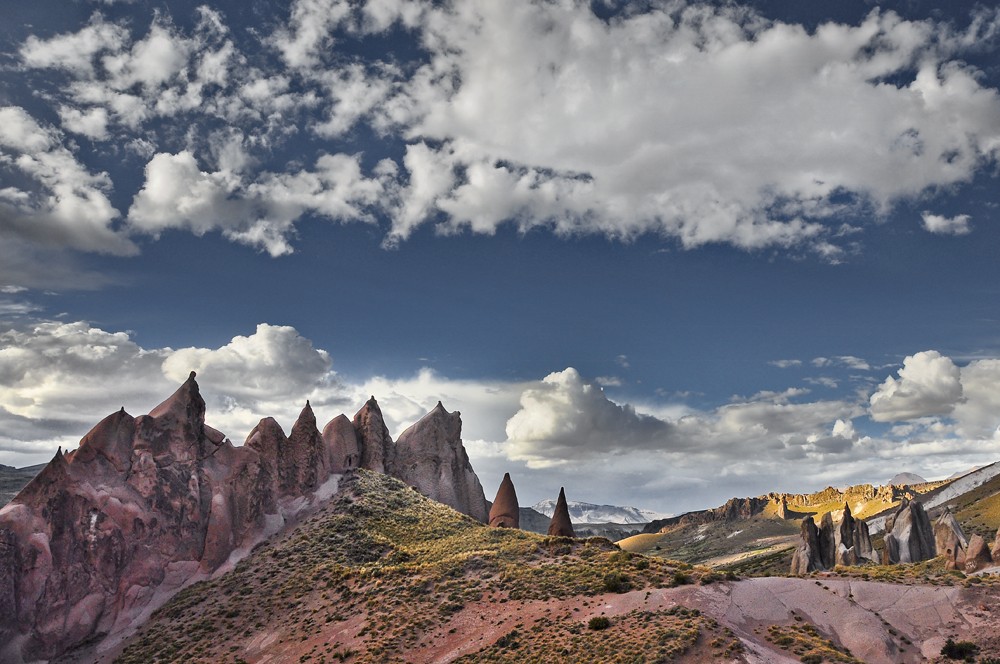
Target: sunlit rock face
pixel 430 457
pixel 505 512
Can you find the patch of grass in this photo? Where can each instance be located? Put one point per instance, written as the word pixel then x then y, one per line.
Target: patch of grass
pixel 805 641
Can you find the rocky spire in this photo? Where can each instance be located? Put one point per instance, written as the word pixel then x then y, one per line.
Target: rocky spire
pixel 827 541
pixel 909 537
pixel 807 555
pixel 430 457
pixel 505 512
pixel 376 443
pixel 304 463
pixel 561 526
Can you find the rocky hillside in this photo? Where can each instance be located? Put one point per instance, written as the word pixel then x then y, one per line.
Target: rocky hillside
pixel 107 532
pixel 380 574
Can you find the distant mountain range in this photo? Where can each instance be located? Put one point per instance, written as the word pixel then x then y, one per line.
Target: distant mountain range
pixel 581 512
pixel 899 479
pixel 13 480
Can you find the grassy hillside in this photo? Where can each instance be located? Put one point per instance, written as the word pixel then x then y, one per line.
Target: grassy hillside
pixel 382 573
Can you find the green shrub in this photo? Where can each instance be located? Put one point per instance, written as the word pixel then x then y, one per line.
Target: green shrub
pixel 598 623
pixel 959 649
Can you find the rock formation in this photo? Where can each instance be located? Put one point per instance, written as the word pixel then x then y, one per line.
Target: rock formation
pixel 807 556
pixel 949 540
pixel 106 533
pixel 909 536
pixel 995 549
pixel 561 526
pixel 977 556
pixel 827 541
pixel 342 444
pixel 430 457
pixel 373 436
pixel 848 543
pixel 505 512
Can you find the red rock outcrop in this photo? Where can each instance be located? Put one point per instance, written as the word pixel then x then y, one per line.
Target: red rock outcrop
pixel 561 526
pixel 949 540
pixel 106 533
pixel 977 556
pixel 430 457
pixel 342 444
pixel 377 450
pixel 505 512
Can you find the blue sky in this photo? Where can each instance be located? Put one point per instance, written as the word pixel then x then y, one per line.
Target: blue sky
pixel 664 255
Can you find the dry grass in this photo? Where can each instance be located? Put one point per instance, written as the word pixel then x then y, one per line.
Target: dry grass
pixel 403 563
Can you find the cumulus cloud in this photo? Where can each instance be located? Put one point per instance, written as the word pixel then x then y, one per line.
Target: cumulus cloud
pixel 259 213
pixel 929 384
pixel 709 124
pixel 63 204
pixel 940 225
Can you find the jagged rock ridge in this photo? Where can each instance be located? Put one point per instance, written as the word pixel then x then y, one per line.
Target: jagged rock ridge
pixel 145 505
pixel 822 548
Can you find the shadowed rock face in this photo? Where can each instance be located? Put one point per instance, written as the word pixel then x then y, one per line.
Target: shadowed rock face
pixel 807 556
pixel 505 512
pixel 373 436
pixel 106 533
pixel 430 457
pixel 561 526
pixel 848 543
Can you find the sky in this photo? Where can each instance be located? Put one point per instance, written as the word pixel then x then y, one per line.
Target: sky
pixel 659 253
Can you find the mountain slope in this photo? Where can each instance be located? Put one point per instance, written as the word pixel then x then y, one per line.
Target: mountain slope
pixel 581 512
pixel 381 574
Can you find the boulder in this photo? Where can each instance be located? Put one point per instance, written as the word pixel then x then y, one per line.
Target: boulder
pixel 430 457
pixel 977 556
pixel 505 513
pixel 949 540
pixel 561 526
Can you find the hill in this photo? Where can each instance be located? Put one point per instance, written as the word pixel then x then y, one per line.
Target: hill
pixel 381 574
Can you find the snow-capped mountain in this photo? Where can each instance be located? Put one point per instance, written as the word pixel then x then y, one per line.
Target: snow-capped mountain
pixel 580 512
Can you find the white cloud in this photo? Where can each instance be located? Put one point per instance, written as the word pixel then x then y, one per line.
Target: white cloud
pixel 66 205
pixel 939 225
pixel 849 361
pixel 178 194
pixel 785 364
pixel 929 384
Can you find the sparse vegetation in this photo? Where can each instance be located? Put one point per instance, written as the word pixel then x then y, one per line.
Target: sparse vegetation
pixel 808 644
pixel 963 650
pixel 401 562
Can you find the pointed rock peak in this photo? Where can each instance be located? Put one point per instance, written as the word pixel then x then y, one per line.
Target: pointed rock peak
pixel 306 413
pixel 847 511
pixel 561 526
pixel 122 410
pixel 185 403
pixel 505 512
pixel 59 454
pixel 192 375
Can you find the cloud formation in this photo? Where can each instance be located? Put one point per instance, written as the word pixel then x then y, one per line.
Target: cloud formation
pixel 697 123
pixel 57 379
